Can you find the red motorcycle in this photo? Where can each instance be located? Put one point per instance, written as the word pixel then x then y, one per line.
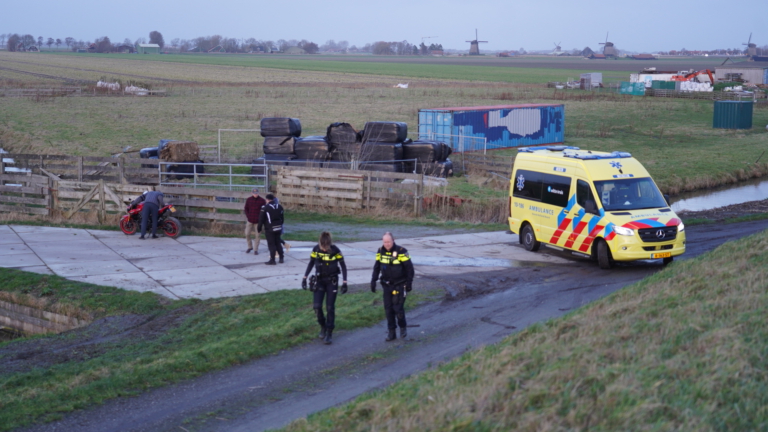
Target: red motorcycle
pixel 170 226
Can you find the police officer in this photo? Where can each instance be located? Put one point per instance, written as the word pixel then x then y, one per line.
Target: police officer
pixel 271 220
pixel 396 270
pixel 153 202
pixel 326 258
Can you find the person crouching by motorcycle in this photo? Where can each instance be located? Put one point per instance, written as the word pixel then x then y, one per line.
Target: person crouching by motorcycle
pixel 396 270
pixel 326 259
pixel 153 201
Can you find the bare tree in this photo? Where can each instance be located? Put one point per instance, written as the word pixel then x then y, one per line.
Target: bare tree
pixel 58 43
pixel 69 42
pixel 27 41
pixel 3 38
pixel 49 42
pixel 39 41
pixel 14 40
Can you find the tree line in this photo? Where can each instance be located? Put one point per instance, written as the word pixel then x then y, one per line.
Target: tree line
pixel 16 42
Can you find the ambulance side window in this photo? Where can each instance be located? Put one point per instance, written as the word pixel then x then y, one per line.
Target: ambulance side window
pixel 546 188
pixel 584 197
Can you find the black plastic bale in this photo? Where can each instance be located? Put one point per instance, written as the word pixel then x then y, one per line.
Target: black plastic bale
pixel 381 151
pixel 426 151
pixel 391 132
pixel 312 147
pixel 339 134
pixel 280 126
pixel 346 152
pixel 279 145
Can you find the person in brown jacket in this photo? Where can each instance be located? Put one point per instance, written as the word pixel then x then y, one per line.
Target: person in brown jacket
pixel 252 210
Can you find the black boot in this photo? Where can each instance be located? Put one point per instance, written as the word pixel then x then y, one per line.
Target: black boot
pixel 281 260
pixel 403 332
pixel 322 333
pixel 271 262
pixel 328 335
pixel 392 336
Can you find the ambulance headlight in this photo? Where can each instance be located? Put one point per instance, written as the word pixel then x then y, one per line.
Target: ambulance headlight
pixel 624 231
pixel 681 227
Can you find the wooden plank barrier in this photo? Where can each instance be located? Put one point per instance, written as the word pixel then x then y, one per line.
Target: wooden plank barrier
pixel 25 193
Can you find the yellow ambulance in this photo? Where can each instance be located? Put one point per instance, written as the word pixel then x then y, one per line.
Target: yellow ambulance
pixel 596 204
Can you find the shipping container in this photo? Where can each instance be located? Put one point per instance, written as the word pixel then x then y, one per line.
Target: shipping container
pixel 632 88
pixel 733 115
pixel 492 127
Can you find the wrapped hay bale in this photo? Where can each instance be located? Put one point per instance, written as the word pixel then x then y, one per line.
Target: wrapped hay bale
pixel 180 151
pixel 312 147
pixel 340 134
pixel 381 151
pixel 390 132
pixel 279 145
pixel 280 126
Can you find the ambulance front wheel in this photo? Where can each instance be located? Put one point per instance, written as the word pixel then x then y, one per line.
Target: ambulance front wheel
pixel 529 239
pixel 604 258
pixel 668 260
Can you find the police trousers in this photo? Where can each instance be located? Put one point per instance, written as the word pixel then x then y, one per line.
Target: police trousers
pixel 325 289
pixel 394 305
pixel 273 241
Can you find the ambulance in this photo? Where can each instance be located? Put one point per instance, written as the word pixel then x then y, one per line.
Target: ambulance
pixel 600 205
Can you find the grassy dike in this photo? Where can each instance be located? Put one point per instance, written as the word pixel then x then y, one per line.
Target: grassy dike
pixel 183 339
pixel 684 349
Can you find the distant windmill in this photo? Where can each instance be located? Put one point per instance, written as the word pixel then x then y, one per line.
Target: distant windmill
pixel 609 50
pixel 751 48
pixel 474 47
pixel 557 51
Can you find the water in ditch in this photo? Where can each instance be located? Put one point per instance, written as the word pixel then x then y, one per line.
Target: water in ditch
pixel 751 190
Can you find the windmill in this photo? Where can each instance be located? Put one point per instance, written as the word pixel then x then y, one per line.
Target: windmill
pixel 474 47
pixel 558 51
pixel 609 50
pixel 751 48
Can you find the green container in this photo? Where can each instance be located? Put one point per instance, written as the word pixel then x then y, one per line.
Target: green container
pixel 632 88
pixel 663 85
pixel 733 115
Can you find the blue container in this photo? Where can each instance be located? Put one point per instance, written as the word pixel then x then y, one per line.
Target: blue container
pixel 733 115
pixel 492 127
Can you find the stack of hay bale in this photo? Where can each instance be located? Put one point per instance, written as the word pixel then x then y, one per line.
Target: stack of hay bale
pixel 382 146
pixel 280 135
pixel 344 143
pixel 431 158
pixel 175 151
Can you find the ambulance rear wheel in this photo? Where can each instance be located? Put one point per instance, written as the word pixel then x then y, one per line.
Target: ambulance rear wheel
pixel 529 239
pixel 604 255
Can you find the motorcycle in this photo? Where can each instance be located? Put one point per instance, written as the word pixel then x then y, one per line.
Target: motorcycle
pixel 170 226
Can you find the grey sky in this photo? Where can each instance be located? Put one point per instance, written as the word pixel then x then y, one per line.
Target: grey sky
pixel 635 26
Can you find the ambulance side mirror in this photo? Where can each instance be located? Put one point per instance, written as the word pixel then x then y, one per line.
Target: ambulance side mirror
pixel 590 207
pixel 666 198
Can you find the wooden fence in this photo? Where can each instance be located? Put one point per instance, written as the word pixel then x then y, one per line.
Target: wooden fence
pixel 489 163
pixel 88 168
pixel 25 193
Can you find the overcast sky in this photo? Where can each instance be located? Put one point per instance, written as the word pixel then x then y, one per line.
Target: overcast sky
pixel 642 26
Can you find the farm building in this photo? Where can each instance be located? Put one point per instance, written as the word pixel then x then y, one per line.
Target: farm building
pixel 748 72
pixel 294 50
pixel 488 127
pixel 148 49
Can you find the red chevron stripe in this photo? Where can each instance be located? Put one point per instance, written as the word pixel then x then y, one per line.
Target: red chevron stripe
pixel 674 222
pixel 559 231
pixel 590 238
pixel 572 238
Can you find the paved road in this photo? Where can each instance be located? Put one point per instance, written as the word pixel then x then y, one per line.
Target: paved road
pixel 480 308
pixel 206 267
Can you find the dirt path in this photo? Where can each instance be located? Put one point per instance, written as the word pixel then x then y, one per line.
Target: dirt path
pixel 478 309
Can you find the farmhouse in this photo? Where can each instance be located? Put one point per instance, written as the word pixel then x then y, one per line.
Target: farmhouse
pixel 148 49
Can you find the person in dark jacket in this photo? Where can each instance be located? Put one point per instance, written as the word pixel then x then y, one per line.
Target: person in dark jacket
pixel 153 201
pixel 271 220
pixel 326 259
pixel 396 270
pixel 252 210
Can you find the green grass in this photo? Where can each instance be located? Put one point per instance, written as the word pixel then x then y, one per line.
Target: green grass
pixel 339 64
pixel 201 336
pixel 683 349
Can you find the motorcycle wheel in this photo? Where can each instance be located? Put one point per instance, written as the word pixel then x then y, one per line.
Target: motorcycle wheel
pixel 128 225
pixel 172 227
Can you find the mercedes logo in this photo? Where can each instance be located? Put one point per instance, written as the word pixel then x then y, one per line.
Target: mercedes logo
pixel 660 234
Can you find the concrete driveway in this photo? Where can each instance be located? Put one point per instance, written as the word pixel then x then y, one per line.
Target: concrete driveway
pixel 207 267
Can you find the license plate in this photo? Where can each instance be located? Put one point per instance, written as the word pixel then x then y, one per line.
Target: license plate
pixel 661 255
pixel 173 209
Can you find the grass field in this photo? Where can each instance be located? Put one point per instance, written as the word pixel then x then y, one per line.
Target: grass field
pixel 672 137
pixel 683 349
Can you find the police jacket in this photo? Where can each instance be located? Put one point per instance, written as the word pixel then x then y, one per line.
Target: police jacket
pixel 153 197
pixel 326 264
pixel 395 266
pixel 271 216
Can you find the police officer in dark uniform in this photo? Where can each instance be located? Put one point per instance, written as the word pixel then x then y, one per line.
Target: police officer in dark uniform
pixel 271 220
pixel 326 258
pixel 396 270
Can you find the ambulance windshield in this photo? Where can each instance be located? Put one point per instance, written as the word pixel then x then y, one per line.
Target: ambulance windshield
pixel 629 194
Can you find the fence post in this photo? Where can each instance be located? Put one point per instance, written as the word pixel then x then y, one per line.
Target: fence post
pixel 121 169
pixel 102 203
pixel 50 196
pixel 419 199
pixel 80 169
pixel 368 199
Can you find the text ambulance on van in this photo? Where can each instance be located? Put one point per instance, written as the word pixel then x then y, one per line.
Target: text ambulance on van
pixel 553 194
